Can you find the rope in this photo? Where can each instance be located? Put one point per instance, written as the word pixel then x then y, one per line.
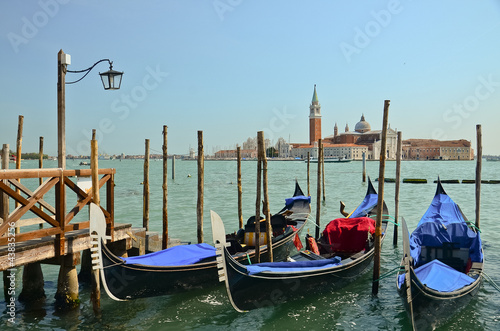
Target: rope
pixel 471 224
pixel 488 278
pixel 248 258
pixel 389 273
pixel 393 222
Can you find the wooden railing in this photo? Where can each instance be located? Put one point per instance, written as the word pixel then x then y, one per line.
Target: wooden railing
pixel 56 217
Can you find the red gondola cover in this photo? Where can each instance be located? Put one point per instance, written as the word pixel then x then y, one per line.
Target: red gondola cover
pixel 348 234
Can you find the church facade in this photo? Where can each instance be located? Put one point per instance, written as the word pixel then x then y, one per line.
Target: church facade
pixel 348 144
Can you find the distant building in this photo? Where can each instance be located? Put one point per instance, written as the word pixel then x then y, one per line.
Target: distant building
pixel 231 154
pixel 363 135
pixel 334 151
pixel 432 149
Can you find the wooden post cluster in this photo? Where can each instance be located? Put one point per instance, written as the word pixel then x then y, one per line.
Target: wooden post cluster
pixel 145 213
pixel 478 173
pixel 396 195
pixel 201 178
pixel 318 189
pixel 380 203
pixel 240 190
pixel 164 241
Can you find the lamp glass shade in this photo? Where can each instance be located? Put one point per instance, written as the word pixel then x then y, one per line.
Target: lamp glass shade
pixel 111 79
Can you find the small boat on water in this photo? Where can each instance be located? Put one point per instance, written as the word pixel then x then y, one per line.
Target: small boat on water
pixel 186 267
pixel 442 265
pixel 84 163
pixel 346 250
pixel 331 160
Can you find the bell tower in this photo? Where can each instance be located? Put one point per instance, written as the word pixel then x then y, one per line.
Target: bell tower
pixel 314 119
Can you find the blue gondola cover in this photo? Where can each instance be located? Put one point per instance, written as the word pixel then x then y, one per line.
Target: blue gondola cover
pixel 293 266
pixel 443 223
pixel 175 256
pixel 366 206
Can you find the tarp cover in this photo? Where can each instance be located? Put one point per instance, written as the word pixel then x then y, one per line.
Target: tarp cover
pixel 174 256
pixel 443 223
pixel 440 277
pixel 366 206
pixel 348 234
pixel 285 267
pixel 290 201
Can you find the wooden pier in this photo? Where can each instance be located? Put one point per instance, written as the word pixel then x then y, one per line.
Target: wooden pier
pixel 61 239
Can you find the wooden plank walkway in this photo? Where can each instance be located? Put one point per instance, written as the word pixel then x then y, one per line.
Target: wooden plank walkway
pixel 38 250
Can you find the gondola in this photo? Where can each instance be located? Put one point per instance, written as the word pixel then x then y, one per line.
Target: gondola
pixel 442 266
pixel 266 284
pixel 186 267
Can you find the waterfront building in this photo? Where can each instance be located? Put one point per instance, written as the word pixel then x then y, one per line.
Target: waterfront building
pixel 432 149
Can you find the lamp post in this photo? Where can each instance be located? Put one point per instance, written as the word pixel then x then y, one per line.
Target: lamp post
pixel 111 80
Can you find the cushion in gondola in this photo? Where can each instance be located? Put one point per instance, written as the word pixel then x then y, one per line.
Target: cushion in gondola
pixel 348 234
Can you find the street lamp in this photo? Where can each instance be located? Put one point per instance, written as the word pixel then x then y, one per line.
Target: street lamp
pixel 111 80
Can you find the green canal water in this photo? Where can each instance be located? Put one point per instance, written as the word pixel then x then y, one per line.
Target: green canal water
pixel 349 308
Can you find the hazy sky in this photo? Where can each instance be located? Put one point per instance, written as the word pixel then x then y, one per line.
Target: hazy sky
pixel 234 67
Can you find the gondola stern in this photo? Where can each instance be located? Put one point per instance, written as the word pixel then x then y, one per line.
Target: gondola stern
pixel 98 238
pixel 219 238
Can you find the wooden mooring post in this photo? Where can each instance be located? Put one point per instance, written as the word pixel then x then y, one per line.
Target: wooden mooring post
pixel 201 176
pixel 145 197
pixel 240 190
pixel 267 213
pixel 323 171
pixel 95 294
pixel 318 190
pixel 396 194
pixel 308 168
pixel 364 167
pixel 164 241
pixel 479 142
pixel 40 165
pixel 173 166
pixel 19 146
pixel 258 197
pixel 380 202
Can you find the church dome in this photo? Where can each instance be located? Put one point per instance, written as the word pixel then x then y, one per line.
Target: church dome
pixel 362 126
